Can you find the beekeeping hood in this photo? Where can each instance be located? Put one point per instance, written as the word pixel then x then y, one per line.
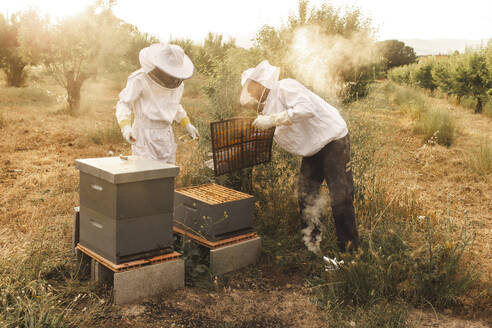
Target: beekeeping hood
pixel 169 58
pixel 265 74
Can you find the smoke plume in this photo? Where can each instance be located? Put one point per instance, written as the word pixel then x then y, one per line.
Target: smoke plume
pixel 312 234
pixel 321 61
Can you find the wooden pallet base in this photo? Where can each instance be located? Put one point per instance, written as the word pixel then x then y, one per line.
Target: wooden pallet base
pixel 128 265
pixel 214 244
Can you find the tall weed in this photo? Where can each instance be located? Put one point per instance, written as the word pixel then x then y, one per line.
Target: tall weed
pixel 436 124
pixel 480 159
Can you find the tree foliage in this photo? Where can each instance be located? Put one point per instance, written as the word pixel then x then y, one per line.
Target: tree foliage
pixel 13 57
pixel 79 47
pixel 396 53
pixel 463 75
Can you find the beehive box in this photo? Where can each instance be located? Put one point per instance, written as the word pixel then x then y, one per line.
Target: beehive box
pixel 126 207
pixel 214 212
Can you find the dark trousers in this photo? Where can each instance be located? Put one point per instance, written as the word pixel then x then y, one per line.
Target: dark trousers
pixel 331 164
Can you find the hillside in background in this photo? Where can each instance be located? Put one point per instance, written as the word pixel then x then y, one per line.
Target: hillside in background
pixel 441 46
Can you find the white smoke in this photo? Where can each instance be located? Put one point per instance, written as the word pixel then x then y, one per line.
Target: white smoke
pixel 320 60
pixel 312 214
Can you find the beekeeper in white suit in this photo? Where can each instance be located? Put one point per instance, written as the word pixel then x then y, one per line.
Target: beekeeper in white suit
pixel 307 126
pixel 154 93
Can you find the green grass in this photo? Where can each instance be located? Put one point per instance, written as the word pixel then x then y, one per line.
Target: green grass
pixel 437 126
pixel 42 289
pixel 480 159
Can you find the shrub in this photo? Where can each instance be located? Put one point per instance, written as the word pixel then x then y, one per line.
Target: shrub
pixel 400 74
pixel 437 126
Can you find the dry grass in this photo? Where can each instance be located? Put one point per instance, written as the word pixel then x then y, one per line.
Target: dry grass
pixel 480 158
pixel 39 188
pixel 440 177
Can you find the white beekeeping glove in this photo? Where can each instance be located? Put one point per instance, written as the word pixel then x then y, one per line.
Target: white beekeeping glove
pixel 192 131
pixel 127 132
pixel 264 122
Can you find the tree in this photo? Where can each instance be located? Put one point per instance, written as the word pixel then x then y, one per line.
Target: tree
pixel 396 53
pixel 74 46
pixel 13 57
pixel 473 77
pixel 443 76
pixel 422 75
pixel 212 52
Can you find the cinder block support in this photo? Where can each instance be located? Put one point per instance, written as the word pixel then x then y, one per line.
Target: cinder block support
pixel 236 256
pixel 100 274
pixel 136 284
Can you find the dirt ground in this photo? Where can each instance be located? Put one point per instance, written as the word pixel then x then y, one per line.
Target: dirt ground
pixel 39 184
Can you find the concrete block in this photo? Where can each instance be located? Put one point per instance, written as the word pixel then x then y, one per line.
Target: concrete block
pixel 136 284
pixel 100 274
pixel 236 256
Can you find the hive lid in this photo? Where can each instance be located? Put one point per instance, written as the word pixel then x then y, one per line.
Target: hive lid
pixel 116 170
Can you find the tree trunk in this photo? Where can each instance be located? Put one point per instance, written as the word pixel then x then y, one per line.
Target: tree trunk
pixel 74 84
pixel 15 74
pixel 479 107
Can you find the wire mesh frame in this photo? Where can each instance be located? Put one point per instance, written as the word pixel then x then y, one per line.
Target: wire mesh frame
pixel 236 144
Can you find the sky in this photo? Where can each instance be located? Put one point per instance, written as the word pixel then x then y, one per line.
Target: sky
pixel 394 19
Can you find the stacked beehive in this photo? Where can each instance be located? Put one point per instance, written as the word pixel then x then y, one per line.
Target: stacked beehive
pixel 126 207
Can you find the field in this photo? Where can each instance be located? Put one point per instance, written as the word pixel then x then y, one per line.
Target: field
pixel 431 190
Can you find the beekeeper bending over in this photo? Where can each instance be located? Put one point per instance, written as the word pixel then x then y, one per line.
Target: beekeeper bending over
pixel 154 93
pixel 307 126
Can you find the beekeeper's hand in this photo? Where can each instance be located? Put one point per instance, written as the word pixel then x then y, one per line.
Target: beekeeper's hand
pixel 264 122
pixel 128 134
pixel 192 131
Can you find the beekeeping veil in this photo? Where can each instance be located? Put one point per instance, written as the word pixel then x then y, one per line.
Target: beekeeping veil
pixel 265 74
pixel 169 58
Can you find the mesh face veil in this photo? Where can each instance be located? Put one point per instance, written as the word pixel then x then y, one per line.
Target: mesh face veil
pixel 247 100
pixel 165 79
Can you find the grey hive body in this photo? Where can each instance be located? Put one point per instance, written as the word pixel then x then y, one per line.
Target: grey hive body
pixel 126 207
pixel 214 212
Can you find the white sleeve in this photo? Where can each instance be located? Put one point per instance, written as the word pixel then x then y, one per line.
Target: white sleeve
pixel 127 100
pixel 294 97
pixel 180 114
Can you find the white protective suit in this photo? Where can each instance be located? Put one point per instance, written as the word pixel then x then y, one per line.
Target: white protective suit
pixel 314 122
pixel 155 108
pixel 311 123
